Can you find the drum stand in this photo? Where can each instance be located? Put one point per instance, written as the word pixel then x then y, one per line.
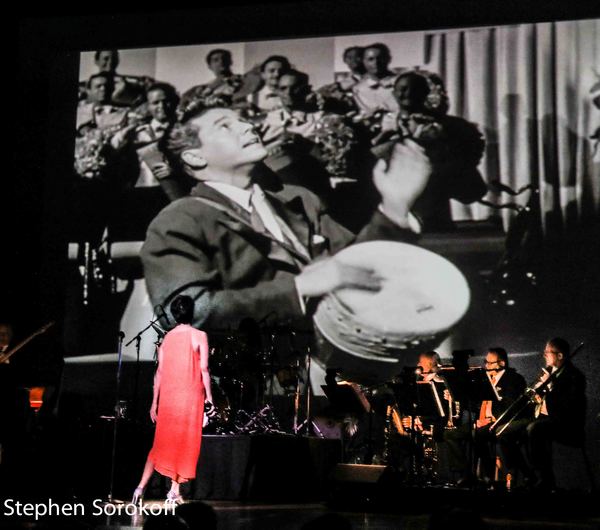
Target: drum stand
pixel 308 424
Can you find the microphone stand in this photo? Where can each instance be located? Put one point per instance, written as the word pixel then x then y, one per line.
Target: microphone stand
pixel 118 411
pixel 138 339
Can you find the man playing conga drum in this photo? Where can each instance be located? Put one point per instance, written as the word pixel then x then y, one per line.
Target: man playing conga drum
pixel 239 249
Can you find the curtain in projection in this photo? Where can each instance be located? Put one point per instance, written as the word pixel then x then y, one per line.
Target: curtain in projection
pixel 528 89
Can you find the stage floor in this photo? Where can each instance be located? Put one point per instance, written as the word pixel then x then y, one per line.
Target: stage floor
pixel 410 511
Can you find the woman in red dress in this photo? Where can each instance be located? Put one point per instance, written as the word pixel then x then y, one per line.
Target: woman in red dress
pixel 181 387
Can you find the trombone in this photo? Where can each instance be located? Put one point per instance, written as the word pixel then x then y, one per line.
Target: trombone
pixel 539 388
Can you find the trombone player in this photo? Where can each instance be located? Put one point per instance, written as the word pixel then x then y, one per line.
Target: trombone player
pixel 560 412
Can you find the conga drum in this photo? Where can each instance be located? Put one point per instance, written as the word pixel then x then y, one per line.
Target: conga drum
pixel 371 335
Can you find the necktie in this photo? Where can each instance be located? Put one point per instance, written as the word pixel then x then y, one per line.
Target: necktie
pixel 263 210
pixel 270 221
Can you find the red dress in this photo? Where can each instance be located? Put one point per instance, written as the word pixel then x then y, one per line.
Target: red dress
pixel 178 432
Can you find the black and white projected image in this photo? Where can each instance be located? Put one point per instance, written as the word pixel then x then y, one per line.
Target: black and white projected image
pixel 316 122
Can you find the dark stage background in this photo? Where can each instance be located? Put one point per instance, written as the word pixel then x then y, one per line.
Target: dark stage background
pixel 34 283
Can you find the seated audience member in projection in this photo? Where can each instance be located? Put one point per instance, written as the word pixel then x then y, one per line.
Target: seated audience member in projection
pixel 104 130
pixel 225 83
pixel 453 145
pixel 155 167
pixel 374 91
pixel 98 109
pixel 341 89
pixel 289 133
pixel 271 69
pixel 243 251
pixel 353 57
pixel 128 90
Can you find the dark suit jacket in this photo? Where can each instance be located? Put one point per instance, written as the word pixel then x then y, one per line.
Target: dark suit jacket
pixel 510 387
pixel 205 246
pixel 566 404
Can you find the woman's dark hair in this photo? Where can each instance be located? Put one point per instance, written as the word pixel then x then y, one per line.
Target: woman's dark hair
pixel 182 309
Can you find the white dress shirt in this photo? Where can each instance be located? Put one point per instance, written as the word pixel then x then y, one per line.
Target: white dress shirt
pixel 254 198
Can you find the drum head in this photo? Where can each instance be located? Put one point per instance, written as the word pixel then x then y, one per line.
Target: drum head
pixel 423 295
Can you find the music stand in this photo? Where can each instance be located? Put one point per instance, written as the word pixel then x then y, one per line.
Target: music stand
pixel 478 388
pixel 428 399
pixel 422 399
pixel 348 399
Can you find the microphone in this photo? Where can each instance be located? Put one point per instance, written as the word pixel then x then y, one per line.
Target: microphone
pixel 162 314
pixel 160 331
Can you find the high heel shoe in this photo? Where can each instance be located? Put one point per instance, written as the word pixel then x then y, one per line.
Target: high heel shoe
pixel 138 496
pixel 174 498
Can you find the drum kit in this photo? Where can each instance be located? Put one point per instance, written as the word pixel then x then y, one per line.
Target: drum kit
pixel 246 367
pixel 369 336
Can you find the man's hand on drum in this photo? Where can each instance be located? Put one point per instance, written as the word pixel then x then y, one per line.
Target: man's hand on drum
pixel 329 275
pixel 401 180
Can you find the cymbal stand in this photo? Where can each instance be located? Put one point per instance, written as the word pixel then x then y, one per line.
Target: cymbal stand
pixel 310 426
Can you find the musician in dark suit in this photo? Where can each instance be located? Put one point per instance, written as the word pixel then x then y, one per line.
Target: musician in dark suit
pixel 507 386
pixel 560 414
pixel 240 250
